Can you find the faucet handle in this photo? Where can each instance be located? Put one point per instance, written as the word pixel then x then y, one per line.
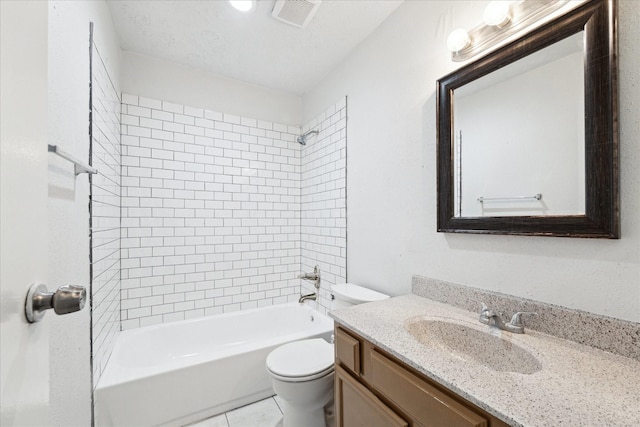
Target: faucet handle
pixel 484 313
pixel 516 318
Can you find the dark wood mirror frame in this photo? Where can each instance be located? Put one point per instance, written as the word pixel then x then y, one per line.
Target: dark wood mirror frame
pixel 598 19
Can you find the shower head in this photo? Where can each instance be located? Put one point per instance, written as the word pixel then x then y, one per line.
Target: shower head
pixel 302 139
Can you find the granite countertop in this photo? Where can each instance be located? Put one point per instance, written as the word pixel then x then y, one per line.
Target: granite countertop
pixel 577 385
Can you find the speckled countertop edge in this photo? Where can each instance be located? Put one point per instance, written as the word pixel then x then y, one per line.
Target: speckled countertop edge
pixel 577 385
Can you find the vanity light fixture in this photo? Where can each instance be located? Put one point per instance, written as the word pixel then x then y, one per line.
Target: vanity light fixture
pixel 497 13
pixel 458 40
pixel 502 19
pixel 243 5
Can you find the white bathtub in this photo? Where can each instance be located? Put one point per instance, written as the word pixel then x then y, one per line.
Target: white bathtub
pixel 176 373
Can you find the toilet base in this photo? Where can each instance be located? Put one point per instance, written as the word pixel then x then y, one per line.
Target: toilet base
pixel 325 419
pixel 298 418
pixel 304 404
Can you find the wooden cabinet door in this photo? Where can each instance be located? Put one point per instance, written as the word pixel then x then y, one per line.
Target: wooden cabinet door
pixel 428 405
pixel 358 407
pixel 348 351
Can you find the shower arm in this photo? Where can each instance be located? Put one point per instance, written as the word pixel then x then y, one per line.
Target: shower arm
pixel 302 139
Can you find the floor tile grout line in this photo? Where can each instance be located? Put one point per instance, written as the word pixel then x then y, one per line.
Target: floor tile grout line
pixel 277 404
pixel 227 420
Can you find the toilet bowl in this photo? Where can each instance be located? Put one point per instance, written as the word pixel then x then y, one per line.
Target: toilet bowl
pixel 302 375
pixel 302 371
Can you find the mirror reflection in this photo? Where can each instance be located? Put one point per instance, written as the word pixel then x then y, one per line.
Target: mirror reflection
pixel 518 136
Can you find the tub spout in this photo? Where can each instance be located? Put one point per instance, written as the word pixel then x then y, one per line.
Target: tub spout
pixel 311 297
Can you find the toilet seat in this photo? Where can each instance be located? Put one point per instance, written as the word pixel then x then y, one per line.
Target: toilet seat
pixel 326 372
pixel 301 361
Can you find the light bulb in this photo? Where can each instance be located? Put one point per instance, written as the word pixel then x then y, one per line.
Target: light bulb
pixel 243 5
pixel 458 40
pixel 497 13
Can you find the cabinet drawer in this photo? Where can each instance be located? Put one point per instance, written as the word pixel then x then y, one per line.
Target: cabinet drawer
pixel 358 407
pixel 418 398
pixel 348 351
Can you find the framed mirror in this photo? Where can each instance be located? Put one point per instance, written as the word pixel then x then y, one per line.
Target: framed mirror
pixel 527 135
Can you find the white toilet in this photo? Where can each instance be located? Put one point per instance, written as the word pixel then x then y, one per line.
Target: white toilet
pixel 302 371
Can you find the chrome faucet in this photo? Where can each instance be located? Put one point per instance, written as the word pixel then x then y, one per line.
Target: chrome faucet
pixel 312 277
pixel 492 318
pixel 311 297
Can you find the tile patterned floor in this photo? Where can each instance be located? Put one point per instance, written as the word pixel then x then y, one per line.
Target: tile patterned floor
pixel 264 413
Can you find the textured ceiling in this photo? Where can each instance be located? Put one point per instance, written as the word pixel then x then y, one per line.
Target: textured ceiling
pixel 254 47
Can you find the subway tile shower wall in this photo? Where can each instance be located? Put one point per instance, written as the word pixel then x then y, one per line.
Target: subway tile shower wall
pixel 323 178
pixel 210 212
pixel 212 207
pixel 105 212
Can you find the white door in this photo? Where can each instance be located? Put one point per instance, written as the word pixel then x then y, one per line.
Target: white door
pixel 24 347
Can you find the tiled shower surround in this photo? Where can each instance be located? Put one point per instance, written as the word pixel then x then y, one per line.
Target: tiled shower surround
pixel 105 212
pixel 323 186
pixel 212 206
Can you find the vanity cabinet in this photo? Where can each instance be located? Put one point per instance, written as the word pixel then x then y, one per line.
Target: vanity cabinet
pixel 358 406
pixel 374 388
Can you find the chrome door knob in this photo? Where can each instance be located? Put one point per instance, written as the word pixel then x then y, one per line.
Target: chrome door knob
pixel 67 299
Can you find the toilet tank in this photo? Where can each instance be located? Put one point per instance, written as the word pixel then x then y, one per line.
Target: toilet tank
pixel 348 294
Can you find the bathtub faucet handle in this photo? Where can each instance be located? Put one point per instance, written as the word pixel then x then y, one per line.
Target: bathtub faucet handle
pixel 312 277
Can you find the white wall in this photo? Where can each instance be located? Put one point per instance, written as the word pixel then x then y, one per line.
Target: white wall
pixel 169 81
pixel 391 225
pixel 68 206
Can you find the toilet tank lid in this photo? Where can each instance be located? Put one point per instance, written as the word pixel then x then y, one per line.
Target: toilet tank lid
pixel 356 294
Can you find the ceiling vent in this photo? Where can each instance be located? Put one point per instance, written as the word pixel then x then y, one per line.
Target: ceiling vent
pixel 295 12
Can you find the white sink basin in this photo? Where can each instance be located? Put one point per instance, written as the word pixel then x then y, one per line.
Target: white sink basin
pixel 468 343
